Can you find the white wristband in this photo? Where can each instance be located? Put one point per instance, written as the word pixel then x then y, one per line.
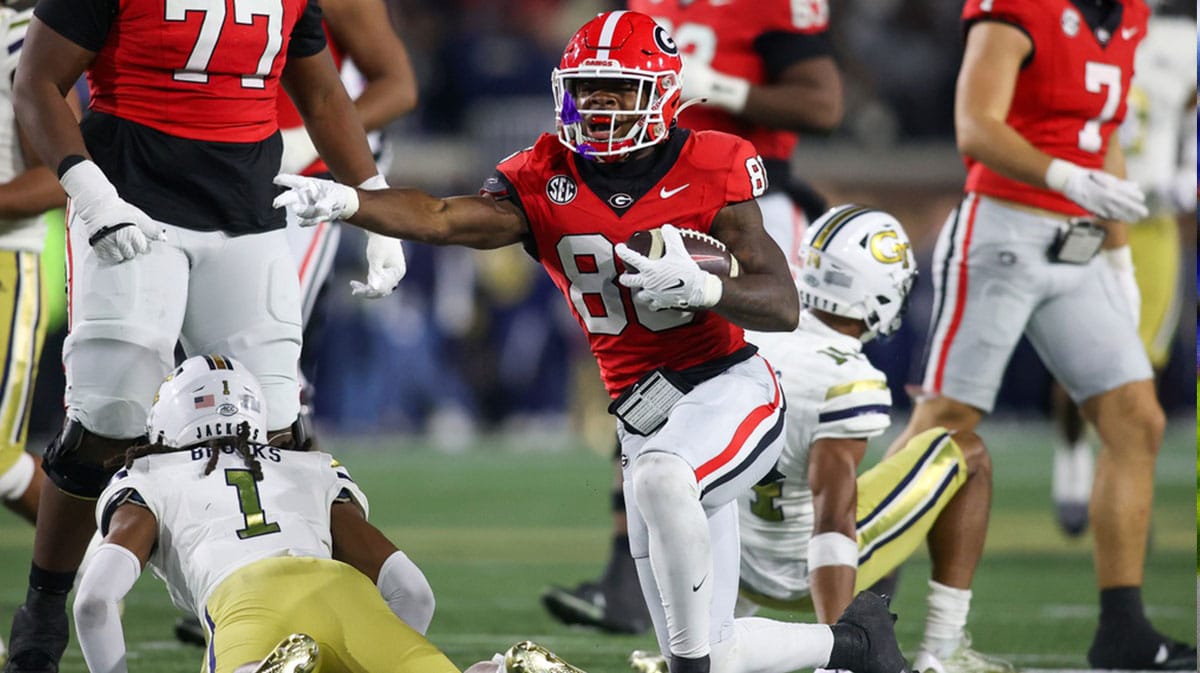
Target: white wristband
pixel 832 549
pixel 85 181
pixel 373 183
pixel 728 92
pixel 1059 173
pixel 713 290
pixel 1120 258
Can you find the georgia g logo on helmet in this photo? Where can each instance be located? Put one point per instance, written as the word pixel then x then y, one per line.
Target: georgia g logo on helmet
pixel 664 41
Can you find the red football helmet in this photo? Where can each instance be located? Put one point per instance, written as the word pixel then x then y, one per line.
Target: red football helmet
pixel 625 46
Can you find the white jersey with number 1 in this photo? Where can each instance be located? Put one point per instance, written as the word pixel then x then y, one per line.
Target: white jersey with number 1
pixel 211 525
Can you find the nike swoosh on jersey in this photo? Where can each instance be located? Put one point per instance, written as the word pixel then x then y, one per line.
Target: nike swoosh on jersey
pixel 668 193
pixel 1129 32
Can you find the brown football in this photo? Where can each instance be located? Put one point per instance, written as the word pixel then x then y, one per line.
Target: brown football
pixel 709 253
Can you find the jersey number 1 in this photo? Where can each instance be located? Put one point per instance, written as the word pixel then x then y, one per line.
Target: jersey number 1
pixel 244 11
pixel 250 504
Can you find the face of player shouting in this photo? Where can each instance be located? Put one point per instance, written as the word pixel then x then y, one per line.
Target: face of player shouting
pixel 601 102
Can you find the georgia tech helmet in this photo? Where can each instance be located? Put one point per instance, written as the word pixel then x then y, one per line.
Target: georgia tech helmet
pixel 207 397
pixel 857 262
pixel 618 45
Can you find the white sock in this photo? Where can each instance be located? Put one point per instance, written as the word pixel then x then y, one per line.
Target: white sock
pixel 680 550
pixel 946 620
pixel 766 646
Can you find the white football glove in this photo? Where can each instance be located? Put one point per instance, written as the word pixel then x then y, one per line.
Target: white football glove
pixel 298 150
pixel 1120 260
pixel 1101 193
pixel 116 229
pixel 699 80
pixel 673 281
pixel 314 200
pixel 385 257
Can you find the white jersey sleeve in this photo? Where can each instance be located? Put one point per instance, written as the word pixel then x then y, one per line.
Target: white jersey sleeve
pixel 26 233
pixel 833 391
pixel 211 525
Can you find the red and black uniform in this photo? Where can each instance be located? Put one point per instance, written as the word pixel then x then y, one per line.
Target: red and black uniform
pixel 578 210
pixel 1070 94
pixel 753 39
pixel 182 113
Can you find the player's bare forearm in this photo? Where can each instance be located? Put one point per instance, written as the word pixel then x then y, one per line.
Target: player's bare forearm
pixel 364 29
pixel 50 65
pixel 832 475
pixel 356 542
pixel 31 193
pixel 472 221
pixel 763 296
pixel 330 117
pixel 806 98
pixel 983 96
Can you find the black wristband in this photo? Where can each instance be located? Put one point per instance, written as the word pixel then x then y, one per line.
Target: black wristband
pixel 68 163
pixel 95 238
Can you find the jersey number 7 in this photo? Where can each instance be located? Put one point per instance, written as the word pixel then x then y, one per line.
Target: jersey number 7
pixel 244 11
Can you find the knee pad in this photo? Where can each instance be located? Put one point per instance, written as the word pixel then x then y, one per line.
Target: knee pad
pixel 662 478
pixel 73 472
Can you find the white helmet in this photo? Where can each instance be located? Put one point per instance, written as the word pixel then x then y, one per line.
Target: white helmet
pixel 207 397
pixel 857 262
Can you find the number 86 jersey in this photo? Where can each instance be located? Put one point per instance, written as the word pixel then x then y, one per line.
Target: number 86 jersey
pixel 211 525
pixel 579 210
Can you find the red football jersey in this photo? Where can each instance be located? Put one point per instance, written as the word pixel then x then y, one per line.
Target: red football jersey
pixel 575 231
pixel 168 64
pixel 289 117
pixel 1070 96
pixel 722 33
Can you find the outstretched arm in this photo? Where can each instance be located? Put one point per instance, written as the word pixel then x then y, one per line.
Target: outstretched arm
pixel 110 575
pixel 473 221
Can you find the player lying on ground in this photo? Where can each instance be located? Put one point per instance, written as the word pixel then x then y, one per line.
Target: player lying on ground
pixel 251 538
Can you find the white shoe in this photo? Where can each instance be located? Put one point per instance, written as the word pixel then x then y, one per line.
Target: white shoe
pixel 644 661
pixel 963 660
pixel 297 653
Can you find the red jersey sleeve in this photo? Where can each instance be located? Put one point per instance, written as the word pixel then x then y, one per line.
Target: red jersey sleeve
pixel 1020 13
pixel 747 176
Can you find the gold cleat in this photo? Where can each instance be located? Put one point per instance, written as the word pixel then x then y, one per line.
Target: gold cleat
pixel 298 653
pixel 645 661
pixel 529 657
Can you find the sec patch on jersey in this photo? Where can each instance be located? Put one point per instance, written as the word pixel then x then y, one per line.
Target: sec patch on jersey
pixel 707 252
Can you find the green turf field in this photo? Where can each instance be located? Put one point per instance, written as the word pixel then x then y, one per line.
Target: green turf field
pixel 492 526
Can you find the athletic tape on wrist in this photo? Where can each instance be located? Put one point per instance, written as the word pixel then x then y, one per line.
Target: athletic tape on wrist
pixel 832 549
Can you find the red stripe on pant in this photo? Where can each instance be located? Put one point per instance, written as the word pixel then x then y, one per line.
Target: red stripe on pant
pixel 748 425
pixel 960 300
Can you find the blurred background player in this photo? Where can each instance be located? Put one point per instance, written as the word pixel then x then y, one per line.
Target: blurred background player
pixel 1040 93
pixel 172 237
pixel 378 74
pixel 1158 137
pixel 700 413
pixel 763 71
pixel 27 191
pixel 260 541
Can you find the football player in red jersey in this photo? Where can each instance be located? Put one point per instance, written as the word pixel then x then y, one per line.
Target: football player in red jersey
pixel 763 71
pixel 700 413
pixel 1038 247
pixel 171 232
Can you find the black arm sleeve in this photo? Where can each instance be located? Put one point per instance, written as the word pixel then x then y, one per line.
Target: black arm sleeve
pixel 84 22
pixel 781 49
pixel 308 35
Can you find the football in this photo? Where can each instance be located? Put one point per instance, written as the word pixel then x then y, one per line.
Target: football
pixel 709 253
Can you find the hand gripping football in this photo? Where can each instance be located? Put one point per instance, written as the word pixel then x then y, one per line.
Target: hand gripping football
pixel 708 253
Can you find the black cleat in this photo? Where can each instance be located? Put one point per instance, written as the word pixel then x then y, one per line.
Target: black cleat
pixel 1148 650
pixel 599 606
pixel 190 631
pixel 37 642
pixel 869 614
